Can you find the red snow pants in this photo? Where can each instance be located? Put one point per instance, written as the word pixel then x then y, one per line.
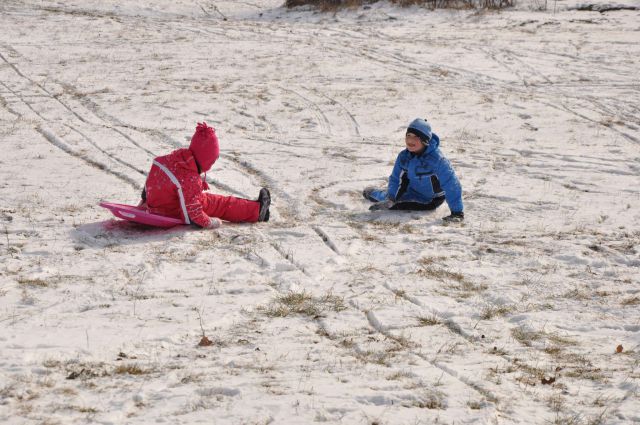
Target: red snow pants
pixel 230 208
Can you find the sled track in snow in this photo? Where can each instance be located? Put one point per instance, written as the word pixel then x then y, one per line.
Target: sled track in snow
pixel 326 239
pixel 19 96
pixel 290 212
pixel 17 71
pixel 401 65
pixel 355 127
pixel 480 83
pixel 4 103
pixel 112 123
pixel 565 108
pixel 375 323
pixel 17 317
pixel 321 117
pixel 62 145
pixel 94 144
pixel 455 329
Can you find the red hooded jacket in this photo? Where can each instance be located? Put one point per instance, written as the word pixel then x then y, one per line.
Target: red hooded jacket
pixel 174 187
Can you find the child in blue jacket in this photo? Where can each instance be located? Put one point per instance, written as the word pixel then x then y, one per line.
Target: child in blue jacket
pixel 422 178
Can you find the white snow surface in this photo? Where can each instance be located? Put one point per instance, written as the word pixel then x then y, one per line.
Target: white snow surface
pixel 514 316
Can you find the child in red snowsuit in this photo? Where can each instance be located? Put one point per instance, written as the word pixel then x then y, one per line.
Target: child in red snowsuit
pixel 174 187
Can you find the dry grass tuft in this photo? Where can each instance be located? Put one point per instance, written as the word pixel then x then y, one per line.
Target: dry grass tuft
pixel 432 320
pixel 51 363
pixel 66 391
pixel 587 372
pixel 439 273
pixel 577 294
pixel 428 261
pixel 399 375
pixel 403 342
pixel 491 311
pixel 475 405
pixel 556 402
pixel 304 304
pixel 631 301
pixel 348 343
pixel 83 409
pixel 407 229
pixel 399 293
pixel 41 283
pixel 430 400
pixel 375 357
pixel 130 369
pixel 525 336
pixel 450 348
pixel 323 332
pixel 429 269
pixel 528 374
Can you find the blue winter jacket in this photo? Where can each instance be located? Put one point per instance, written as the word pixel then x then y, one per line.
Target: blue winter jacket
pixel 430 175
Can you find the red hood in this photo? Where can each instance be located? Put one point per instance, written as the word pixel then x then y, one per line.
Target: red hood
pixel 204 146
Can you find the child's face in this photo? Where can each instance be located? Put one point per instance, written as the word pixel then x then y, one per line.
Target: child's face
pixel 413 143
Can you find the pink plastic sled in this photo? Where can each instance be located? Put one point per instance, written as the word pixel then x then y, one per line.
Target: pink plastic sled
pixel 137 215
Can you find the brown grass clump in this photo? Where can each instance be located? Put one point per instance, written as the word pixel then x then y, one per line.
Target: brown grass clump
pixel 304 304
pixel 130 369
pixel 440 274
pixel 432 320
pixel 33 282
pixel 489 312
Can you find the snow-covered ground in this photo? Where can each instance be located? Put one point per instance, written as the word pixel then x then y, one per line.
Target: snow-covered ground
pixel 329 312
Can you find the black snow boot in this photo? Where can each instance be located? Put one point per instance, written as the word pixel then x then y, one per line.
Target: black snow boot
pixel 264 198
pixel 367 194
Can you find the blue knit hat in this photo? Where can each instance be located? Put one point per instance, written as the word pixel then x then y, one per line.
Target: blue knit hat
pixel 422 129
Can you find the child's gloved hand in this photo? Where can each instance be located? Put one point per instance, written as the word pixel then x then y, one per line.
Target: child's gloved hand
pixel 455 217
pixel 214 223
pixel 382 205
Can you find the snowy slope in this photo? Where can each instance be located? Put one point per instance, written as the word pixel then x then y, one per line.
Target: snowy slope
pixel 327 313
